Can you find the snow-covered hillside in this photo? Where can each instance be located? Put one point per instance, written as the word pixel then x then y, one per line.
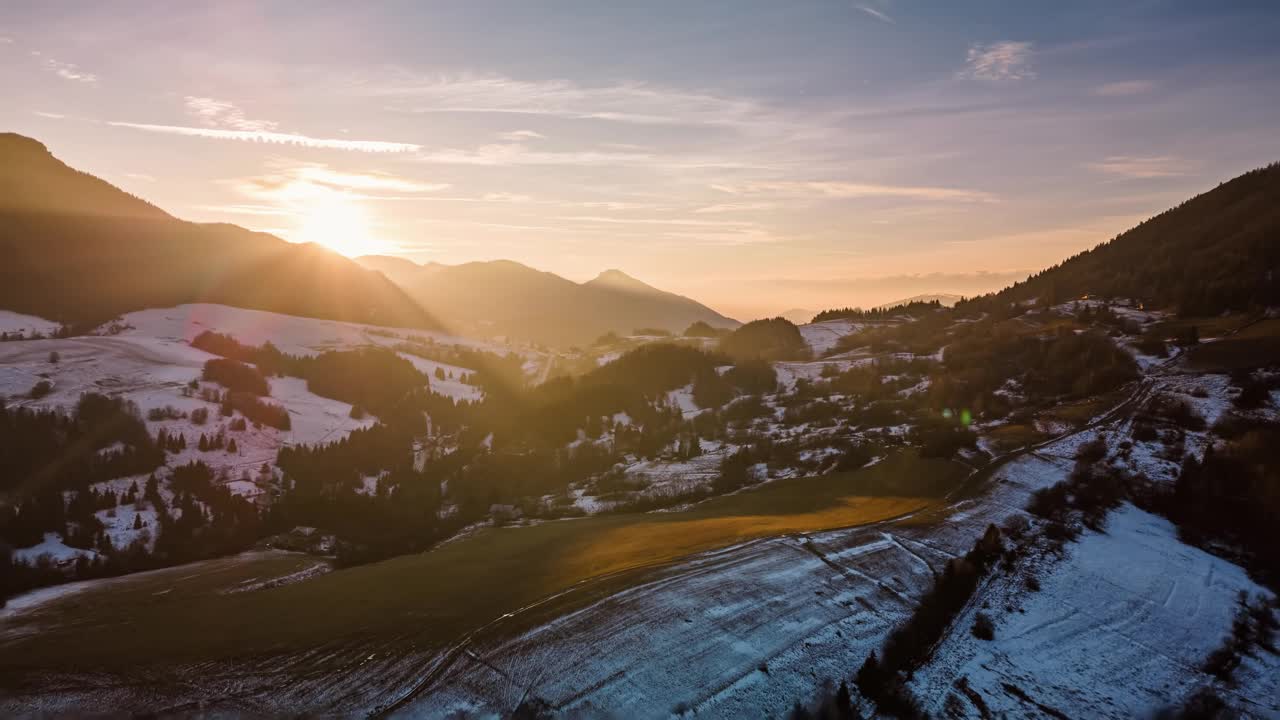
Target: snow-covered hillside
pixel 16 324
pixel 146 357
pixel 291 334
pixel 823 336
pixel 1121 626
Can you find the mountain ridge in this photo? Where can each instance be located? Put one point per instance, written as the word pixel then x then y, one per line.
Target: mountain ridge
pixel 504 297
pixel 81 251
pixel 1218 251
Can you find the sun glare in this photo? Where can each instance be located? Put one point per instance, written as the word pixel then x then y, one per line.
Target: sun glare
pixel 340 225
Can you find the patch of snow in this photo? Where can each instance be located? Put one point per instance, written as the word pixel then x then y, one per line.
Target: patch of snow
pixel 292 334
pixel 52 546
pixel 823 336
pixel 25 325
pixel 682 399
pixel 451 386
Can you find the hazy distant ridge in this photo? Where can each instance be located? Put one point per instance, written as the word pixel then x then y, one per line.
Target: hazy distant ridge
pixel 502 297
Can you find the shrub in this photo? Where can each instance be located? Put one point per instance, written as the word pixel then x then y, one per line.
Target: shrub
pixel 1144 432
pixel 168 412
pixel 1092 451
pixel 942 437
pixel 236 376
pixel 258 411
pixel 1177 412
pixel 1153 346
pixel 200 416
pixel 775 339
pixel 1253 392
pixel 701 329
pixel 983 627
pixel 40 389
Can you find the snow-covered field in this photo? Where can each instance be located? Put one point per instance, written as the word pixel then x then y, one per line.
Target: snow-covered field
pixel 736 633
pixel 740 632
pixel 149 361
pixel 822 336
pixel 1121 627
pixel 13 323
pixel 451 386
pixel 292 334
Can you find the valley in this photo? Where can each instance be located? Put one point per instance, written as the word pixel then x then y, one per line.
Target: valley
pixel 242 474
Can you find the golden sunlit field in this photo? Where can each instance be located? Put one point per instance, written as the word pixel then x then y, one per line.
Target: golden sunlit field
pixel 184 613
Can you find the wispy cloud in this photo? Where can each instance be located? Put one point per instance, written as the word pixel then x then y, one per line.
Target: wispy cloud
pixel 140 176
pixel 506 197
pixel 277 138
pixel 735 207
pixel 1006 60
pixel 288 180
pixel 69 71
pixel 1124 88
pixel 851 190
pixel 877 14
pixel 510 154
pixel 521 135
pixel 691 222
pixel 222 114
pixel 730 237
pixel 50 115
pixel 496 154
pixel 245 209
pixel 1140 167
pixel 638 103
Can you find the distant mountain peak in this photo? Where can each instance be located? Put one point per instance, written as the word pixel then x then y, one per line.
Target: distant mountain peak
pixel 617 280
pixel 613 274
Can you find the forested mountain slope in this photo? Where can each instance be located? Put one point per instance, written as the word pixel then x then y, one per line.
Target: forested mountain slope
pixel 79 250
pixel 1217 251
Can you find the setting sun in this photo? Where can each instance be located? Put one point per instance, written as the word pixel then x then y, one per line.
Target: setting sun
pixel 339 224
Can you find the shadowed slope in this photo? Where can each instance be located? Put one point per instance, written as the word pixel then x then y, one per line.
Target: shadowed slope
pixel 81 251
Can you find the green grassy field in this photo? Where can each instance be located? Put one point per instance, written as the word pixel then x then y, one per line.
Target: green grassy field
pixel 1014 436
pixel 1208 327
pixel 431 599
pixel 1257 345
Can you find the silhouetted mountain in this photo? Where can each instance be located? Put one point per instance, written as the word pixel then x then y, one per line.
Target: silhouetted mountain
pixel 1218 251
pixel 506 298
pixel 799 316
pixel 944 299
pixel 622 282
pixel 78 250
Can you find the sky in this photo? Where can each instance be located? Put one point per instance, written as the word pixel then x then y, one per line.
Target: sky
pixel 757 156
